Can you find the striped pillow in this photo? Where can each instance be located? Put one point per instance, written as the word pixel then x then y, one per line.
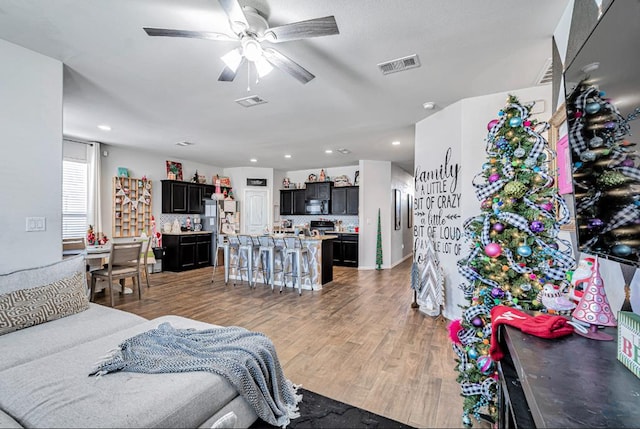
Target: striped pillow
pixel 28 307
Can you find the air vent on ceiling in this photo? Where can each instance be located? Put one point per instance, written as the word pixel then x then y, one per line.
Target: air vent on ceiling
pixel 344 151
pixel 401 64
pixel 250 101
pixel 185 143
pixel 546 74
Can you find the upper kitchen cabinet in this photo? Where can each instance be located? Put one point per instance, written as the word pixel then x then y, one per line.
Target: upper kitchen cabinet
pixel 318 190
pixel 344 200
pixel 184 197
pixel 292 201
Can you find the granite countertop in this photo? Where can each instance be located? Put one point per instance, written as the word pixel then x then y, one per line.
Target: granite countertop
pixel 341 232
pixel 187 233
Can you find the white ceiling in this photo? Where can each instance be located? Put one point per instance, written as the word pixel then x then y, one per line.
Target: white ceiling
pixel 157 91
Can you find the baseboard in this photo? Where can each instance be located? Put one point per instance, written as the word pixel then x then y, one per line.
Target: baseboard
pixel 386 267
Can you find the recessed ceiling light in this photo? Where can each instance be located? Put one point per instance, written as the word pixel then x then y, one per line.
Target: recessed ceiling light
pixel 185 143
pixel 287 156
pixel 328 151
pixel 395 143
pixel 429 105
pixel 253 160
pixel 104 127
pixel 344 151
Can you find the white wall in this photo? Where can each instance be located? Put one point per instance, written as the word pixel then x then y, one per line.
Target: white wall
pixel 141 163
pixel 375 193
pixel 463 126
pixel 31 148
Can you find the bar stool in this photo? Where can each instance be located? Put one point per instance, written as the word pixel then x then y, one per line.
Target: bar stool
pixel 225 245
pixel 233 244
pixel 295 255
pixel 269 250
pixel 246 260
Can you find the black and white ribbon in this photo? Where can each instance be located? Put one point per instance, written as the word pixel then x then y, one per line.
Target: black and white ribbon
pixel 484 388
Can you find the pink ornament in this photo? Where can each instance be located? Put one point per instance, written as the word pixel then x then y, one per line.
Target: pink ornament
pixel 533 276
pixel 492 123
pixel 578 114
pixel 494 177
pixel 546 206
pixel 493 250
pixel 527 123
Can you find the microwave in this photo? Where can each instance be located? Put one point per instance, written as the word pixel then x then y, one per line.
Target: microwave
pixel 316 207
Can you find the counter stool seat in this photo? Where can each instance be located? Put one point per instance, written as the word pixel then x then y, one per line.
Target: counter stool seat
pixel 269 250
pixel 296 255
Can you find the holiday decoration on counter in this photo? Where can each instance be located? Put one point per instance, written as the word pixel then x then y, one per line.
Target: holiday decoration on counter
pixel 91 236
pixel 580 278
pixel 514 248
pixel 156 237
pixel 629 341
pixel 606 178
pixel 594 309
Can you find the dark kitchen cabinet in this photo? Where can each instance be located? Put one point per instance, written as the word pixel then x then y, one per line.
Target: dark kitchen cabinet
pixel 292 201
pixel 345 249
pixel 344 200
pixel 184 197
pixel 186 251
pixel 318 190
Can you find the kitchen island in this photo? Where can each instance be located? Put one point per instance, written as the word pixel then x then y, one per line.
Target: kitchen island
pixel 320 260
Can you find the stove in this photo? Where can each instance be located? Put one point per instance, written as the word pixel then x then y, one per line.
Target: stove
pixel 322 226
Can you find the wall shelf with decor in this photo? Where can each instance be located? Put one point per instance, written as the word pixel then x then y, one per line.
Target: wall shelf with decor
pixel 131 207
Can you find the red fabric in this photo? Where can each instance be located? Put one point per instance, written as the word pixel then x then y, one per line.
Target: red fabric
pixel 543 326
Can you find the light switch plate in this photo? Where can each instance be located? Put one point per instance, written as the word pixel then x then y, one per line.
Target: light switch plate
pixel 36 224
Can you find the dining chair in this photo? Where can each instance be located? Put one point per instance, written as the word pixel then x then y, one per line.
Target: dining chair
pixel 124 262
pixel 72 246
pixel 147 257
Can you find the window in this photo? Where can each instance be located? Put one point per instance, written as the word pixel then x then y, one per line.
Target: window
pixel 74 198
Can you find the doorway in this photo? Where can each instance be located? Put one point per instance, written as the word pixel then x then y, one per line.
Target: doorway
pixel 256 213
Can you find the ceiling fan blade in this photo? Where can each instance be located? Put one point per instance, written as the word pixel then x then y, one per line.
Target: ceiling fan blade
pixel 186 33
pixel 228 73
pixel 287 64
pixel 235 14
pixel 302 30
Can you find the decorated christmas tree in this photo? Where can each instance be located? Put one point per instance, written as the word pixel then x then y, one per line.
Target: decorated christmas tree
pixel 379 245
pixel 605 175
pixel 514 250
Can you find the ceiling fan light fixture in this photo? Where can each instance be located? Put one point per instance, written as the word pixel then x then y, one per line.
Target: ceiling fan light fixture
pixel 263 67
pixel 232 59
pixel 251 49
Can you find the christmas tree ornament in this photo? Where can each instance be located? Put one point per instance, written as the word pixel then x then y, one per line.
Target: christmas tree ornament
pixel 494 177
pixel 519 152
pixel 485 364
pixel 493 250
pixel 527 123
pixel 536 226
pixel 594 309
pixel 477 322
pixel 588 156
pixel 515 189
pixel 472 353
pixel 529 162
pixel 525 287
pixel 496 292
pixel 611 178
pixel 592 107
pixel 596 142
pixel 621 250
pixel 515 122
pixel 628 162
pixel 546 206
pixel 509 134
pixel 524 250
pixel 595 223
pixel 498 227
pixel 492 124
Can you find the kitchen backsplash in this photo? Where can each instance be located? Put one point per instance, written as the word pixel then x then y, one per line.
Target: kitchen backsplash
pixel 347 221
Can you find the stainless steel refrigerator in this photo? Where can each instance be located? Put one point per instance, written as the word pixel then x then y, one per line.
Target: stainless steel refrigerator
pixel 210 222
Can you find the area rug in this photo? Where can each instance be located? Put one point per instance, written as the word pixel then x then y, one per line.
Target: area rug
pixel 317 411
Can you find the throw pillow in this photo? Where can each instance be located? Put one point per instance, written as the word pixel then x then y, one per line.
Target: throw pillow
pixel 28 307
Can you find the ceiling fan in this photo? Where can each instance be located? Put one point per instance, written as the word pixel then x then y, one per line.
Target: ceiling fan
pixel 251 28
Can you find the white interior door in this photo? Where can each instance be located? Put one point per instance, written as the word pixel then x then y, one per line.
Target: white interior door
pixel 256 214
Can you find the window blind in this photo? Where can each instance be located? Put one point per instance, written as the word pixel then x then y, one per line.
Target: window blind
pixel 74 198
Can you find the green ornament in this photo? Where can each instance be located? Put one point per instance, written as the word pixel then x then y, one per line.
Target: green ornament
pixel 515 189
pixel 514 300
pixel 496 200
pixel 496 301
pixel 612 178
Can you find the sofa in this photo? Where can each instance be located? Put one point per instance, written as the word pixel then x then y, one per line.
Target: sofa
pixel 51 337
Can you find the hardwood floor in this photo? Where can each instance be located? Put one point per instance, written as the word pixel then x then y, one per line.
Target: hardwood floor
pixel 357 340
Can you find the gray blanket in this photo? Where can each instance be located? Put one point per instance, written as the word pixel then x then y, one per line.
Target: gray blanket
pixel 246 359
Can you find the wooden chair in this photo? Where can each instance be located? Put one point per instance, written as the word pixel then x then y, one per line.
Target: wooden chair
pixel 147 257
pixel 124 262
pixel 72 246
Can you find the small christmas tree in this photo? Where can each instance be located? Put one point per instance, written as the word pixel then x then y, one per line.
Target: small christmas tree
pixel 379 245
pixel 514 251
